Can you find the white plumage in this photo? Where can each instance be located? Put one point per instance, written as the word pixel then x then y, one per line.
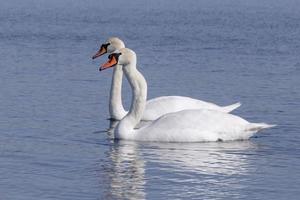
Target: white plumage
pixel 154 107
pixel 193 125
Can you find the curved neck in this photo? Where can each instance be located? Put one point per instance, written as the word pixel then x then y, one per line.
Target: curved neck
pixel 116 108
pixel 138 102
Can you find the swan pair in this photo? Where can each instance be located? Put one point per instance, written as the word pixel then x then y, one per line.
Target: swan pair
pixel 190 124
pixel 154 107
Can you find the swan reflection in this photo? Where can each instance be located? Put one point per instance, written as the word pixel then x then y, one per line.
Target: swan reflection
pixel 204 168
pixel 126 176
pixel 209 158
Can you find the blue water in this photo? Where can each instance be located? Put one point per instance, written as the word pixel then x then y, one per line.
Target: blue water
pixel 54 101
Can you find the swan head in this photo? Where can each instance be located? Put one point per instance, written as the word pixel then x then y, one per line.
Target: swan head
pixel 111 45
pixel 121 57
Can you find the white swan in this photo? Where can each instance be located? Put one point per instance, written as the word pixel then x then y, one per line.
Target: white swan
pixel 154 107
pixel 183 126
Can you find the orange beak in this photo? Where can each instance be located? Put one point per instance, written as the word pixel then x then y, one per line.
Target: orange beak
pixel 110 63
pixel 101 51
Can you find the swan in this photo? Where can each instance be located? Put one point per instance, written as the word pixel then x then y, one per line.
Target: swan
pixel 193 125
pixel 154 107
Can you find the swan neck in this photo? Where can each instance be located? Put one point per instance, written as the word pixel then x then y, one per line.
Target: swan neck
pixel 116 108
pixel 139 96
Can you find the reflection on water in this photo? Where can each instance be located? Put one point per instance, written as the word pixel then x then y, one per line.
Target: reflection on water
pixel 204 158
pixel 53 99
pixel 200 168
pixel 125 173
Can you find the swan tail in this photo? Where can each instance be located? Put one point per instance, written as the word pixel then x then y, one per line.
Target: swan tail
pixel 259 126
pixel 232 107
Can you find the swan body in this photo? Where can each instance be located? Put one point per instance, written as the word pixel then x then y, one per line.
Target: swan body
pixel 154 107
pixel 194 125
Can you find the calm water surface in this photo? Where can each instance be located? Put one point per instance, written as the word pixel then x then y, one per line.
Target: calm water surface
pixel 54 102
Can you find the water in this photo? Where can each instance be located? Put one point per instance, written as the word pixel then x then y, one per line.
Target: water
pixel 54 102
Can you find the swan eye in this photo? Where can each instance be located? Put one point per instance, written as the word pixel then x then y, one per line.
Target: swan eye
pixel 113 54
pixel 117 55
pixel 104 46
